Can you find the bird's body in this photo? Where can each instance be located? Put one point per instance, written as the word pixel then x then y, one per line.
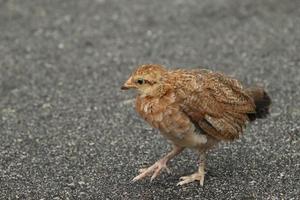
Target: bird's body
pixel 193 109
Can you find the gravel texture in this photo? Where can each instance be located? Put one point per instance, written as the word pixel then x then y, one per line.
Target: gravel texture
pixel 68 132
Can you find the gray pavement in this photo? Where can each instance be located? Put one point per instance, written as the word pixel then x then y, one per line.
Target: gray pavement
pixel 68 132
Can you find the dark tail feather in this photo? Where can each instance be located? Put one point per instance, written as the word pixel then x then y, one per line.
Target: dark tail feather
pixel 262 102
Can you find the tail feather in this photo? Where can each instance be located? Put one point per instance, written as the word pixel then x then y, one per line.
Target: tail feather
pixel 262 102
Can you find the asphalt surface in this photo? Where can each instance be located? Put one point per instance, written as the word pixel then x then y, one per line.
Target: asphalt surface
pixel 68 132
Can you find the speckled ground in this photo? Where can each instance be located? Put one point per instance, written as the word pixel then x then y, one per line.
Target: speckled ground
pixel 68 132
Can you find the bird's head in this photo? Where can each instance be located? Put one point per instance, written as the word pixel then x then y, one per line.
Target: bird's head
pixel 147 79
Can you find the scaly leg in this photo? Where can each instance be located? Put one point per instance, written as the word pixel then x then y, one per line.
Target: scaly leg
pixel 159 165
pixel 197 176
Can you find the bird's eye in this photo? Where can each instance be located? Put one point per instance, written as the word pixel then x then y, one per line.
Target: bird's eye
pixel 140 81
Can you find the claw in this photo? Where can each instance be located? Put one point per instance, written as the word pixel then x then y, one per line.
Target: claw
pixel 142 170
pixel 168 170
pixel 152 171
pixel 198 176
pixel 155 174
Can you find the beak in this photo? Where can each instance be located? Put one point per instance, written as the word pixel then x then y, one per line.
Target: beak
pixel 128 84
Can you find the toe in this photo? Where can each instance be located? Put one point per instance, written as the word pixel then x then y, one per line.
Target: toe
pixel 191 178
pixel 142 170
pixel 158 171
pixel 184 181
pixel 155 174
pixel 183 177
pixel 155 170
pixel 143 174
pixel 136 178
pixel 201 180
pixel 140 176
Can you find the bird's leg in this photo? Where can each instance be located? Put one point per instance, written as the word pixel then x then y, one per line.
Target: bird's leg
pixel 159 165
pixel 197 176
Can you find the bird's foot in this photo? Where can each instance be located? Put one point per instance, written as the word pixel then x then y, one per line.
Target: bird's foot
pixel 198 176
pixel 153 170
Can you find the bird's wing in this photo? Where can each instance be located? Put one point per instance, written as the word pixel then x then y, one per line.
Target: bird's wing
pixel 216 103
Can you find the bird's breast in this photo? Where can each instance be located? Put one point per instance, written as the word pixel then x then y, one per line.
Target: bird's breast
pixel 166 115
pixel 155 110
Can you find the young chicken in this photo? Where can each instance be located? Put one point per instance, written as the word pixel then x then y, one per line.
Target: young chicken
pixel 193 109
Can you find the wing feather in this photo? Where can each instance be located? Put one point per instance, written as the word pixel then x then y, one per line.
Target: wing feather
pixel 216 103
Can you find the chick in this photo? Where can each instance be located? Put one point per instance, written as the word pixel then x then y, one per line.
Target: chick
pixel 193 109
